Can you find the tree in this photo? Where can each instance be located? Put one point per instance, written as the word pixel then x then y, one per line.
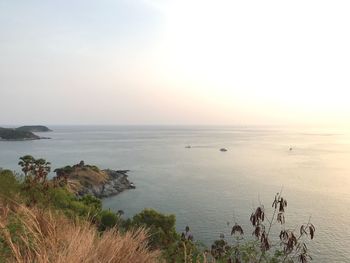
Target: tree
pixel 161 227
pixel 35 177
pixel 35 170
pixel 26 162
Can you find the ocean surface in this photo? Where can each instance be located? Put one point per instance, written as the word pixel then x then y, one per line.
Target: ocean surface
pixel 206 188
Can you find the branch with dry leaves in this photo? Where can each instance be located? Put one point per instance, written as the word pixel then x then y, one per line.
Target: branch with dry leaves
pixel 288 246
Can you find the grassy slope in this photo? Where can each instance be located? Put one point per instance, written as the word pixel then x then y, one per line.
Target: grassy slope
pixel 35 235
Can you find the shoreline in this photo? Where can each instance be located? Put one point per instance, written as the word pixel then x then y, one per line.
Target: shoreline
pixel 26 139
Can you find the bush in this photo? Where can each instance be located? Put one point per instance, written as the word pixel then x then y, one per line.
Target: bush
pixel 92 202
pixel 161 227
pixel 87 207
pixel 9 185
pixel 108 220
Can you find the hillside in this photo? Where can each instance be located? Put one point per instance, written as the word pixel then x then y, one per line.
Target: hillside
pixel 42 235
pixel 33 128
pixel 22 133
pixel 16 135
pixel 43 221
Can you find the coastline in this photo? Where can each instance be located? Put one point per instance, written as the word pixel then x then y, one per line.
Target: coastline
pixel 25 139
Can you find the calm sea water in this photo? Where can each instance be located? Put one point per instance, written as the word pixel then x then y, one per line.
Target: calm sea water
pixel 206 188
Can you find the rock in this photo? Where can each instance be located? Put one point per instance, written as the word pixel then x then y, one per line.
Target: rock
pixel 83 179
pixel 123 171
pixel 116 183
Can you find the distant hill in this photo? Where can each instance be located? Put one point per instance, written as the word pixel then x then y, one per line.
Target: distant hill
pixel 22 133
pixel 33 128
pixel 17 135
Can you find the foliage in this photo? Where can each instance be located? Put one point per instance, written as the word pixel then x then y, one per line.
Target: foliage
pixel 31 234
pixel 94 168
pixel 185 251
pixel 108 220
pixel 37 189
pixel 35 170
pixel 288 246
pixel 161 227
pixel 35 177
pixel 64 170
pixel 9 185
pixel 38 193
pixel 87 207
pixel 92 202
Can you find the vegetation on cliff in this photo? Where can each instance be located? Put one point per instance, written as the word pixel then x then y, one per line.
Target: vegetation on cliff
pixel 32 234
pixel 41 220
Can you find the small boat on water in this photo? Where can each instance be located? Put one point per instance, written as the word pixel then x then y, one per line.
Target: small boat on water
pixel 188 146
pixel 223 150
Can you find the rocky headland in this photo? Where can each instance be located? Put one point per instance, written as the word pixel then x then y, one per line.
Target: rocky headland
pixel 85 179
pixel 23 133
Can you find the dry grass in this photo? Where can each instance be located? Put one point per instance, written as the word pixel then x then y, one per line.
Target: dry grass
pixel 85 176
pixel 46 236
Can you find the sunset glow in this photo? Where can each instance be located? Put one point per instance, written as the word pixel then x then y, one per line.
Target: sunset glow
pixel 178 62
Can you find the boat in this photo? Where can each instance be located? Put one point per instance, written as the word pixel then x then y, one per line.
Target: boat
pixel 223 150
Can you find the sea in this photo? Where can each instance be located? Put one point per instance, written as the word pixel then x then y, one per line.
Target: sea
pixel 210 190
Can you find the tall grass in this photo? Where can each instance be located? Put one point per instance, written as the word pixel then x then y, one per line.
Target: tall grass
pixel 35 235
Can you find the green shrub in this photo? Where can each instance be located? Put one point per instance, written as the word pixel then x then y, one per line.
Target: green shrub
pixel 184 251
pixel 92 202
pixel 108 220
pixel 9 185
pixel 88 206
pixel 161 227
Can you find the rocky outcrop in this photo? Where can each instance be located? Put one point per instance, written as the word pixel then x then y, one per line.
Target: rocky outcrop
pixel 116 183
pixel 85 179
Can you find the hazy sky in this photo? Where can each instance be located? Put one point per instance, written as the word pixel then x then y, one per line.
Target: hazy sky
pixel 174 62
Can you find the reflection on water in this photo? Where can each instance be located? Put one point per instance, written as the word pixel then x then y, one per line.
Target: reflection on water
pixel 204 186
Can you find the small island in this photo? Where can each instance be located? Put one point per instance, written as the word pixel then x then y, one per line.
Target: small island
pixel 23 133
pixel 83 179
pixel 33 128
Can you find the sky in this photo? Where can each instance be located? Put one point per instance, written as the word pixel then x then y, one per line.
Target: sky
pixel 183 62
